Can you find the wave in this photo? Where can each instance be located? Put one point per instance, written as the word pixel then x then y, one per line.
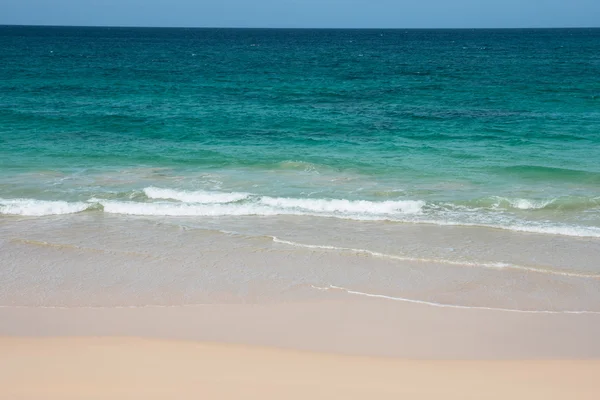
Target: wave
pixel 557 203
pixel 345 206
pixel 360 209
pixel 488 212
pixel 564 230
pixel 286 203
pixel 199 196
pixel 523 204
pixel 538 172
pixel 537 227
pixel 401 211
pixel 184 209
pixel 490 265
pixel 447 305
pixel 561 203
pixel 32 207
pixel 200 203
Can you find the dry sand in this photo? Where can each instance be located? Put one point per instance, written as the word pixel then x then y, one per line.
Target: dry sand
pixel 369 349
pixel 132 368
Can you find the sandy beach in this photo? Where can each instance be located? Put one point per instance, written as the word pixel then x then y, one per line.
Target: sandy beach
pixel 336 349
pixel 126 368
pixel 97 308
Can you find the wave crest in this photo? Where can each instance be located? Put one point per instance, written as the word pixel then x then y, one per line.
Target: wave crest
pixel 37 208
pixel 183 209
pixel 345 206
pixel 492 212
pixel 266 206
pixel 198 196
pixel 522 204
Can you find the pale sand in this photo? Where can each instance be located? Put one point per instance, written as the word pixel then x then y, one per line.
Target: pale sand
pixel 367 349
pixel 366 327
pixel 129 368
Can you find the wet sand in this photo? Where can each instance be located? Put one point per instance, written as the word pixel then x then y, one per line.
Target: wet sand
pixel 349 326
pixel 127 368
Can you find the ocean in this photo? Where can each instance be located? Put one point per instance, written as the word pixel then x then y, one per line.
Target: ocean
pixel 453 167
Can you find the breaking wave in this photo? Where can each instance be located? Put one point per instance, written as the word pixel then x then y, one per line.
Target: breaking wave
pixel 38 208
pixel 345 206
pixel 199 196
pixel 493 212
pixel 359 209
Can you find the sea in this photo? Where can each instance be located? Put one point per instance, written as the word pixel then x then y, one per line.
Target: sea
pixel 159 166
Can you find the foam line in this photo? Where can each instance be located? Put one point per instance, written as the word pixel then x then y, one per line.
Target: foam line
pixel 437 261
pixel 199 196
pixel 32 207
pixel 444 305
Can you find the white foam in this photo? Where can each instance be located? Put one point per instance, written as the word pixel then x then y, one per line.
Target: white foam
pixel 199 196
pixel 446 305
pixel 183 209
pixel 547 228
pixel 483 264
pixel 346 206
pixel 523 204
pixel 33 207
pixel 581 231
pixel 223 204
pixel 406 211
pixel 203 203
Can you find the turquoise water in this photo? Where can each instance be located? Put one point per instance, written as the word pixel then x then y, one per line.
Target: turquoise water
pixel 498 128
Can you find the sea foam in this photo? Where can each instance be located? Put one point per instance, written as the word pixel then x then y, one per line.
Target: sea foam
pixel 171 202
pixel 184 209
pixel 287 203
pixel 448 305
pixel 470 264
pixel 522 204
pixel 199 196
pixel 33 207
pixel 264 206
pixel 345 206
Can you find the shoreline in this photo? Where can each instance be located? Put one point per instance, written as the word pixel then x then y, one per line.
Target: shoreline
pixel 91 260
pixel 353 327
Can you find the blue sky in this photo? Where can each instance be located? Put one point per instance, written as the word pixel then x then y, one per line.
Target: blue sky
pixel 305 13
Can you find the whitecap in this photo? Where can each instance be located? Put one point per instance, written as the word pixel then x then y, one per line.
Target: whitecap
pixel 184 209
pixel 33 207
pixel 198 196
pixel 346 206
pixel 522 204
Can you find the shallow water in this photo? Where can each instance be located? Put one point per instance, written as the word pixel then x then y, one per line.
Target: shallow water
pixel 99 260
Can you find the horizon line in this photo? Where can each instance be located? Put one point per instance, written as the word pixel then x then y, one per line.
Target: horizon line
pixel 296 28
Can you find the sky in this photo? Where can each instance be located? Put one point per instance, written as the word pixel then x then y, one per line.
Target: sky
pixel 305 13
